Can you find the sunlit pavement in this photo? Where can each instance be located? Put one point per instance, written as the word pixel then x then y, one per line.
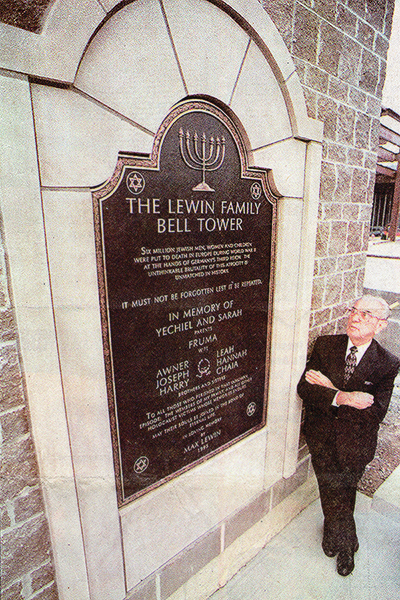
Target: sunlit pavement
pixel 292 566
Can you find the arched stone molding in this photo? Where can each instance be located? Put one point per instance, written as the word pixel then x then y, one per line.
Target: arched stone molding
pixel 113 97
pixel 55 53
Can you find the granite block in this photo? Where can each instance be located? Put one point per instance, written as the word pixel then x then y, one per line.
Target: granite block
pixel 247 517
pixel 188 562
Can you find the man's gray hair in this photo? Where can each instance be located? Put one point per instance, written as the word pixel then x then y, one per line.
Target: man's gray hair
pixel 383 309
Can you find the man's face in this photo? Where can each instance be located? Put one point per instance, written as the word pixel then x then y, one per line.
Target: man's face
pixel 365 321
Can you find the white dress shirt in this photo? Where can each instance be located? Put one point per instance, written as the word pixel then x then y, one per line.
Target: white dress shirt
pixel 361 350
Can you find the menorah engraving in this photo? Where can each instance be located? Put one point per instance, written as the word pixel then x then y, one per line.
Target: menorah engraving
pixel 201 159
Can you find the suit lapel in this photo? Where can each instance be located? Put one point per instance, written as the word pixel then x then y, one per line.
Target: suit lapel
pixel 337 360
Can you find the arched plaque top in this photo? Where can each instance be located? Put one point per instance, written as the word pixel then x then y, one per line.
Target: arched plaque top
pixel 196 139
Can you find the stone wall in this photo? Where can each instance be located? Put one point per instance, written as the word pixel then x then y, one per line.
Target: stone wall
pixel 26 567
pixel 26 14
pixel 340 49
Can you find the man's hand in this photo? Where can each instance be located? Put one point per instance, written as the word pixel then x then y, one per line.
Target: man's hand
pixel 316 378
pixel 358 400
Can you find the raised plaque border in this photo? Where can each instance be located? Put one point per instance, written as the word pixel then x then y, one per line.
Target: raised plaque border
pixel 127 159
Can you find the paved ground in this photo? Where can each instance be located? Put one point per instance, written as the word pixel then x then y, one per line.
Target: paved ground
pixel 293 567
pixel 377 247
pixel 387 455
pixel 383 267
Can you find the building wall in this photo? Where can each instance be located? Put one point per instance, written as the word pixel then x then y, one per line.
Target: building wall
pixel 340 51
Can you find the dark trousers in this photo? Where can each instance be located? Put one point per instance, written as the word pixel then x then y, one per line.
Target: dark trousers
pixel 337 487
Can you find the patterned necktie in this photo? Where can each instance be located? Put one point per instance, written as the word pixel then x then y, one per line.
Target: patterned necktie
pixel 351 362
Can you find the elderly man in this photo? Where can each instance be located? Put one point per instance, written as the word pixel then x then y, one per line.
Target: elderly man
pixel 346 389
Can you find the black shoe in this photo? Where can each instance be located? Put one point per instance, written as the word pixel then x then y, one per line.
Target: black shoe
pixel 345 562
pixel 329 547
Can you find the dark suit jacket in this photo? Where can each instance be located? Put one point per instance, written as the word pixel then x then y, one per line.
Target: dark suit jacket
pixel 352 432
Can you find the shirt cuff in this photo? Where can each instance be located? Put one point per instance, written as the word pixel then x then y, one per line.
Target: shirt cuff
pixel 334 403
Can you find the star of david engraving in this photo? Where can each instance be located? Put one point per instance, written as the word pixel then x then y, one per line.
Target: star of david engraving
pixel 251 409
pixel 141 464
pixel 135 182
pixel 255 191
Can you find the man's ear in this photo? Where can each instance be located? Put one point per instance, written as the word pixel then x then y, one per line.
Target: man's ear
pixel 381 325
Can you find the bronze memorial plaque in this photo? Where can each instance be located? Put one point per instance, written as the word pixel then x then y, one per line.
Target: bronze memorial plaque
pixel 185 246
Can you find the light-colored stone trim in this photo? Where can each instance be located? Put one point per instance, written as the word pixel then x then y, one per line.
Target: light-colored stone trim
pixel 304 293
pixel 26 247
pixel 54 53
pixel 281 390
pixel 277 55
pixel 220 570
pixel 77 322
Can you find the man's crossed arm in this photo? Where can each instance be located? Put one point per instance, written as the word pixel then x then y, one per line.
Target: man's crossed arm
pixel 358 400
